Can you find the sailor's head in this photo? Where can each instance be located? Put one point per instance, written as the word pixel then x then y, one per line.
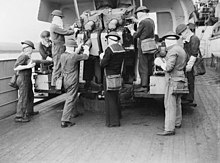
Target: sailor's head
pixel 45 35
pixel 27 46
pixel 170 39
pixel 57 18
pixel 112 37
pixel 183 31
pixel 141 11
pixel 71 44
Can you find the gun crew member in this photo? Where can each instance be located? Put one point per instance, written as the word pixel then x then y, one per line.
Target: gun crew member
pixel 191 46
pixel 173 65
pixel 24 67
pixel 145 30
pixel 112 62
pixel 57 33
pixel 69 70
pixel 45 46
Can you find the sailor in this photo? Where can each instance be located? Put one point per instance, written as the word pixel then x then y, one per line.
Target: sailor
pixel 112 63
pixel 57 33
pixel 69 62
pixel 23 66
pixel 191 46
pixel 92 69
pixel 45 46
pixel 144 31
pixel 173 65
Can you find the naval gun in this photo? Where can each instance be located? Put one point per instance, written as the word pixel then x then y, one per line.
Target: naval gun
pixel 95 25
pixel 97 17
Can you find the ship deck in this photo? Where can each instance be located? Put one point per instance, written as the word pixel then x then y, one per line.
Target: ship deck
pixel 89 141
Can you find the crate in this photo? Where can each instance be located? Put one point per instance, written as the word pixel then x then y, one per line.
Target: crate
pixel 157 85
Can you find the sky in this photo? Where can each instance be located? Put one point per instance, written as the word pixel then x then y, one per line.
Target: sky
pixel 19 21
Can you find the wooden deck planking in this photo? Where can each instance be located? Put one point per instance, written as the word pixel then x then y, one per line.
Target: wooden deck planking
pixel 191 151
pixel 151 149
pixel 43 140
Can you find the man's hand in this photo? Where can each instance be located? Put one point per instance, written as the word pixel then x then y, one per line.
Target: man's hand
pixel 131 28
pixel 76 30
pixel 86 50
pixel 190 63
pixel 160 62
pixel 101 55
pixel 30 65
pixel 188 68
pixel 134 19
pixel 73 26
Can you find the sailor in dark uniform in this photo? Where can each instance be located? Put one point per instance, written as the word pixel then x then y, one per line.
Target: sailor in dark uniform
pixel 112 62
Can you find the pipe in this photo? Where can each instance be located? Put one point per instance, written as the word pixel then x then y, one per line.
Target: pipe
pixel 76 8
pixel 141 2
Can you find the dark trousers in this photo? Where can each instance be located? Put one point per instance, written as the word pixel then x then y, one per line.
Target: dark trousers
pixel 26 96
pixel 92 69
pixel 191 85
pixel 145 68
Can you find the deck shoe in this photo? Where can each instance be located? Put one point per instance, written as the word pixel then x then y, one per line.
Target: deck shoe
pixel 21 119
pixel 166 133
pixel 65 124
pixel 141 89
pixel 192 104
pixel 179 126
pixel 114 125
pixel 34 113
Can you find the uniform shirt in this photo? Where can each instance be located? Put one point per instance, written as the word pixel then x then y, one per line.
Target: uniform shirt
pixel 145 29
pixel 23 60
pixel 45 51
pixel 69 67
pixel 192 46
pixel 176 59
pixel 112 59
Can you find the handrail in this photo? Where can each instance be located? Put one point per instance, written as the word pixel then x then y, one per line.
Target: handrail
pixel 9 102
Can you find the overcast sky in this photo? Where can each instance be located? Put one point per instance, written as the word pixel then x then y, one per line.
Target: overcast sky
pixel 19 21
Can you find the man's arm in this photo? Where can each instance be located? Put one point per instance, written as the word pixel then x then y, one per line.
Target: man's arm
pixel 61 31
pixel 139 30
pixel 194 46
pixel 21 63
pixel 170 60
pixel 106 57
pixel 42 51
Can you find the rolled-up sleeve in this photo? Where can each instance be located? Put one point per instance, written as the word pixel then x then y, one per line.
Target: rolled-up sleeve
pixel 80 57
pixel 22 60
pixel 61 31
